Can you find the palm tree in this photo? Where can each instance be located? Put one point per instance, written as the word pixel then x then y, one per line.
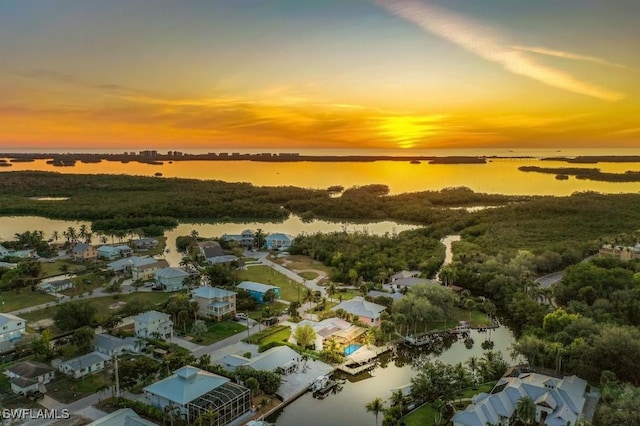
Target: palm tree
pixel 376 407
pixel 331 290
pixel 438 406
pixel 473 366
pixel 398 399
pixel 55 235
pixel 526 410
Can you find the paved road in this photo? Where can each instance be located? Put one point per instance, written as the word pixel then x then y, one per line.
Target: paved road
pixel 549 280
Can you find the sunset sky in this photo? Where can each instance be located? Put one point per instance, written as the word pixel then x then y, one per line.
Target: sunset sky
pixel 319 74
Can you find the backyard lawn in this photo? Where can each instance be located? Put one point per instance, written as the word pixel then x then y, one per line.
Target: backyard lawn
pixel 278 333
pixel 26 298
pixel 66 389
pixel 217 331
pixel 289 289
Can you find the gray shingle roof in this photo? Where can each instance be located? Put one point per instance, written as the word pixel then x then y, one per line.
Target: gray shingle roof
pixel 360 307
pixel 30 369
pixel 85 360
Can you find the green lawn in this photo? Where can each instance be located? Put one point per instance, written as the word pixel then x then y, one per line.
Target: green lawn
pixel 309 275
pixel 278 333
pixel 266 275
pixel 301 263
pixel 217 331
pixel 53 269
pixel 85 283
pixel 425 415
pixel 66 389
pixel 26 298
pixel 276 307
pixel 345 295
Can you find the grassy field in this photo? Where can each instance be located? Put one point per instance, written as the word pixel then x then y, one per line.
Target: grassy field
pixel 217 331
pixel 309 275
pixel 102 304
pixel 266 275
pixel 55 268
pixel 277 307
pixel 278 333
pixel 302 263
pixel 26 298
pixel 344 295
pixel 425 415
pixel 66 389
pixel 85 283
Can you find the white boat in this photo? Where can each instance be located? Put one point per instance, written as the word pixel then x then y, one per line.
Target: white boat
pixel 319 383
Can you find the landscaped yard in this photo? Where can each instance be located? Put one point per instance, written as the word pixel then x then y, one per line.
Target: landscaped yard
pixel 217 331
pixel 278 333
pixel 289 289
pixel 26 298
pixel 425 415
pixel 276 307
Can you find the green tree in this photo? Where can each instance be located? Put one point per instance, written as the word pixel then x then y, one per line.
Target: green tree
pixel 305 335
pixel 253 385
pixel 376 407
pixel 83 339
pixel 199 328
pixel 526 410
pixel 73 315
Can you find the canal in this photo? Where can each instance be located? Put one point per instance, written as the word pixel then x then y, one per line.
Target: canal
pixel 347 405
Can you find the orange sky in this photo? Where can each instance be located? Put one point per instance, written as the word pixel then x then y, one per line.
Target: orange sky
pixel 334 74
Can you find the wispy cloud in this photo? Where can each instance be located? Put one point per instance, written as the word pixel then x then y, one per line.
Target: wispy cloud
pixel 569 55
pixel 490 45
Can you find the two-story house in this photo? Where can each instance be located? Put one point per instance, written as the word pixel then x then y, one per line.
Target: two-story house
pixel 153 324
pixel 277 242
pixel 84 252
pixel 114 252
pixel 11 327
pixel 214 302
pixel 171 279
pixel 147 271
pixel 29 376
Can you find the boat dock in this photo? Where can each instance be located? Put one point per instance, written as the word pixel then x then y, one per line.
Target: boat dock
pixel 363 360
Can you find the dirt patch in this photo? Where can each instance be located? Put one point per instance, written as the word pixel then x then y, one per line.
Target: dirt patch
pixel 117 305
pixel 43 323
pixel 263 409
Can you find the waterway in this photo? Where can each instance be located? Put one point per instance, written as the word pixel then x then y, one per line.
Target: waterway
pixel 347 407
pixel 497 176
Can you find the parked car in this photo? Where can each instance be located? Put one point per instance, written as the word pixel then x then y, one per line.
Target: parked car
pixel 241 316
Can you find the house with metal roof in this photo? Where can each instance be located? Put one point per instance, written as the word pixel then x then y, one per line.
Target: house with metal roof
pixel 395 296
pixel 145 243
pixel 191 392
pixel 214 302
pixel 559 402
pixel 129 263
pixel 112 345
pixel 171 279
pixel 122 417
pixel 3 251
pixel 153 324
pixel 114 252
pixel 366 312
pixel 277 241
pixel 258 290
pixel 55 286
pixel 30 376
pixel 245 239
pixel 222 260
pixel 84 365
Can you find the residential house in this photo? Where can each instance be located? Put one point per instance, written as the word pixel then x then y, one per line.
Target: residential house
pixel 210 249
pixel 366 312
pixel 258 290
pixel 122 417
pixel 112 346
pixel 279 359
pixel 409 282
pixel 343 332
pixel 404 274
pixel 222 260
pixel 153 324
pixel 171 279
pixel 84 365
pixel 53 287
pixel 147 271
pixel 375 293
pixel 4 252
pixel 12 327
pixel 191 392
pixel 246 239
pixel 145 243
pixel 558 401
pixel 127 264
pixel 30 376
pixel 214 302
pixel 621 252
pixel 114 252
pixel 84 252
pixel 277 242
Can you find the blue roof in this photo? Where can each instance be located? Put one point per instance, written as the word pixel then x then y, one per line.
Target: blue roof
pixel 186 384
pixel 281 237
pixel 212 292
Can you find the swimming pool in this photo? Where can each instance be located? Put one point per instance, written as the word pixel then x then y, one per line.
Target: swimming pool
pixel 351 348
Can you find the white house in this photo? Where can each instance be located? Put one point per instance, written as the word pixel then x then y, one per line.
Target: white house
pixel 85 364
pixel 30 376
pixel 153 324
pixel 214 302
pixel 277 242
pixel 558 401
pixel 11 327
pixel 190 392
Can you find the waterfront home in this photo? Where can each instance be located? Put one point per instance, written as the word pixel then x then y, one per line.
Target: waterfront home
pixel 171 279
pixel 337 329
pixel 56 286
pixel 122 417
pixel 4 252
pixel 114 252
pixel 191 392
pixel 84 365
pixel 144 243
pixel 84 252
pixel 258 290
pixel 366 312
pixel 129 263
pixel 147 270
pixel 245 239
pixel 112 346
pixel 210 249
pixel 12 327
pixel 214 302
pixel 153 324
pixel 279 359
pixel 277 242
pixel 558 401
pixel 621 252
pixel 29 376
pixel 222 260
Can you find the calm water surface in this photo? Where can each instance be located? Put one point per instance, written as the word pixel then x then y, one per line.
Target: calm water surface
pixel 347 407
pixel 498 176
